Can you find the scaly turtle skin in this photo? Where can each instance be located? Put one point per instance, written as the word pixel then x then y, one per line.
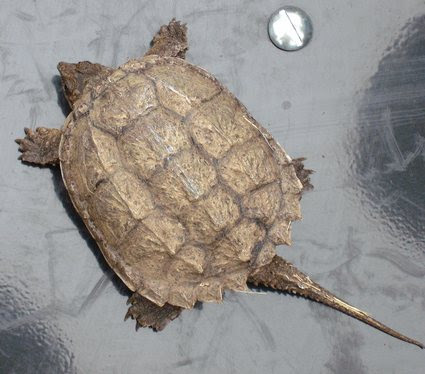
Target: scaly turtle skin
pixel 184 192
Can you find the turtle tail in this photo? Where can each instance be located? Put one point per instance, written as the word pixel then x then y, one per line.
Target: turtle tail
pixel 283 276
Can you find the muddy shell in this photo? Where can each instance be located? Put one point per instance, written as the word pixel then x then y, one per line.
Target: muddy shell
pixel 183 190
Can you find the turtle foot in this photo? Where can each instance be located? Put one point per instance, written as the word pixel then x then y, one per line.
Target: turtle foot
pixel 148 314
pixel 170 40
pixel 40 147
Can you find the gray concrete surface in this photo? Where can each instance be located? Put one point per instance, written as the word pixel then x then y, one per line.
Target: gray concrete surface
pixel 352 102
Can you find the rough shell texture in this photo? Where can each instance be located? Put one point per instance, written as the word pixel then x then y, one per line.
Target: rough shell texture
pixel 183 190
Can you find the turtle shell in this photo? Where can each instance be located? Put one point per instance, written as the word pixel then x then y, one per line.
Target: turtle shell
pixel 184 192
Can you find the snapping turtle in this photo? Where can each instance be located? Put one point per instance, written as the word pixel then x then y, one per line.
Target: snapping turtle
pixel 184 192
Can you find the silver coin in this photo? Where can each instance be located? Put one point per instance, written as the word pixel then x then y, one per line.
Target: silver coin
pixel 290 28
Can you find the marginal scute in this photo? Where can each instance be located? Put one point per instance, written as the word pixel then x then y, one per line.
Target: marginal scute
pixel 210 291
pixel 116 76
pixel 91 166
pixel 266 254
pixel 180 89
pixel 215 127
pixel 182 296
pixel 290 207
pixel 279 154
pixel 289 182
pixel 156 290
pixel 248 167
pixel 107 150
pixel 82 163
pixel 280 232
pixel 237 280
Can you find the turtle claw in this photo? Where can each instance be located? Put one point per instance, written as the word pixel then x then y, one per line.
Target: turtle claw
pixel 40 147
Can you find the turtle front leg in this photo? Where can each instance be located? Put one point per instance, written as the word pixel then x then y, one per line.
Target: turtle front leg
pixel 148 314
pixel 170 40
pixel 40 147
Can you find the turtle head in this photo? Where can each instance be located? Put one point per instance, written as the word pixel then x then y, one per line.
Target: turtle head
pixel 77 77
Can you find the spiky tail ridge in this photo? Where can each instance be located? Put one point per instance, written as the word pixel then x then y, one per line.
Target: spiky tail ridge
pixel 283 276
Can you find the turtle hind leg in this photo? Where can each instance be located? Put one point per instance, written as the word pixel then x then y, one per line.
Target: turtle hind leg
pixel 170 40
pixel 40 147
pixel 148 314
